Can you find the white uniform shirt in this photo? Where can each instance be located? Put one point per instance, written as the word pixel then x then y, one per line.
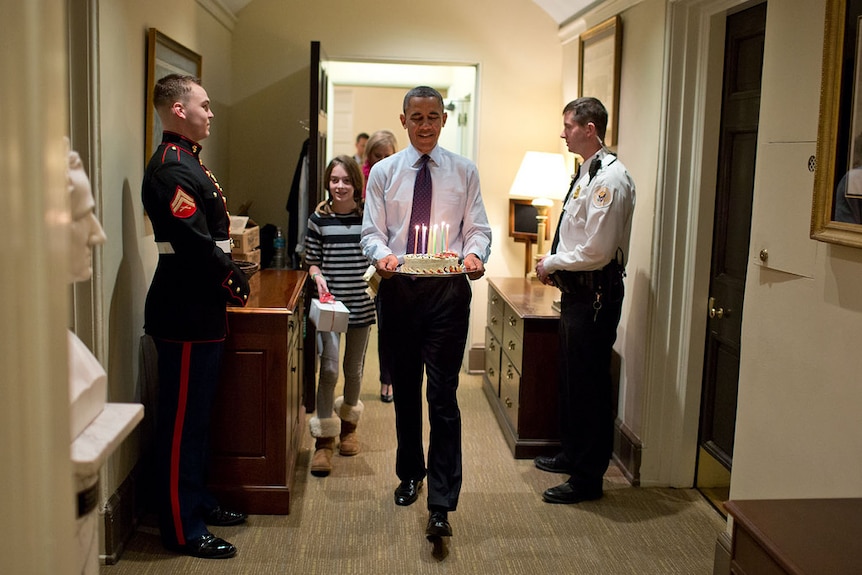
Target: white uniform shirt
pixel 597 218
pixel 456 200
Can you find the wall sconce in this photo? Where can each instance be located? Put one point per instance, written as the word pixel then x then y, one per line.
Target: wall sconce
pixel 542 178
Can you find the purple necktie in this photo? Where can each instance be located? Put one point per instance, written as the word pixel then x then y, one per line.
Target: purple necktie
pixel 421 214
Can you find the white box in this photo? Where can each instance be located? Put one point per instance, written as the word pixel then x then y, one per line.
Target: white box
pixel 329 316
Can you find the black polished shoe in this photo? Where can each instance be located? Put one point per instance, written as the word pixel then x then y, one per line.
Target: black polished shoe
pixel 438 525
pixel 207 546
pixel 386 397
pixel 567 493
pixel 554 464
pixel 224 518
pixel 407 491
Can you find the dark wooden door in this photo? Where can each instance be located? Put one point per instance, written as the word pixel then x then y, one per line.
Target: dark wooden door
pixel 317 119
pixel 732 225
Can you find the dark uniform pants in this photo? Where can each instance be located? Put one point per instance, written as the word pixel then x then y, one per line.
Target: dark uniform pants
pixel 586 410
pixel 188 378
pixel 423 325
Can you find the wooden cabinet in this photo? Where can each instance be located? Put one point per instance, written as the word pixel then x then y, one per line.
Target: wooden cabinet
pixel 520 381
pixel 795 536
pixel 258 416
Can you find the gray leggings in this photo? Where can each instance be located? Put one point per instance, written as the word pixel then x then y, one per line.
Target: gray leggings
pixel 328 343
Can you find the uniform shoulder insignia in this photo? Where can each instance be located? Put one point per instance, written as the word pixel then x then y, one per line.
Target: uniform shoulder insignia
pixel 602 197
pixel 182 204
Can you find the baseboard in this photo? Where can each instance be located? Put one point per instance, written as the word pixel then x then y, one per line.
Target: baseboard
pixel 476 360
pixel 120 519
pixel 721 564
pixel 627 452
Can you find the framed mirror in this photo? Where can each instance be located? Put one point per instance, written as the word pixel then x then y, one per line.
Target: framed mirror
pixel 836 214
pixel 600 57
pixel 164 56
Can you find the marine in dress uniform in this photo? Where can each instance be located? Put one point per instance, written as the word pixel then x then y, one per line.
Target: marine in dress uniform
pixel 587 263
pixel 185 314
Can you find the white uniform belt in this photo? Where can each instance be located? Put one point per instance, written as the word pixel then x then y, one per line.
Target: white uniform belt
pixel 167 248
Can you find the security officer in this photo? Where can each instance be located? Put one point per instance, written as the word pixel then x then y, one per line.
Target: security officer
pixel 587 263
pixel 185 314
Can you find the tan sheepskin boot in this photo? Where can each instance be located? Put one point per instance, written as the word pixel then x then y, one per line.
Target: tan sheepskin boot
pixel 324 431
pixel 349 415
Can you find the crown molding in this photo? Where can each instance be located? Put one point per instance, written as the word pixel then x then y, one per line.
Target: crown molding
pixel 220 12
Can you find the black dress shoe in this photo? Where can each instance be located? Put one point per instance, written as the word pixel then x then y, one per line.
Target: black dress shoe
pixel 224 518
pixel 386 397
pixel 567 493
pixel 407 491
pixel 207 546
pixel 554 464
pixel 438 525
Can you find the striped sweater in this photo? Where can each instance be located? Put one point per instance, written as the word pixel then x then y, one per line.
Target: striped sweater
pixel 332 244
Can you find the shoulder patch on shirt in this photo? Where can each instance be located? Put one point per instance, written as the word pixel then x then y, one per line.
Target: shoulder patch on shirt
pixel 182 204
pixel 602 197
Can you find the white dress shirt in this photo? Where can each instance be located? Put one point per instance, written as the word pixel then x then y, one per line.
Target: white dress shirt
pixel 597 219
pixel 456 201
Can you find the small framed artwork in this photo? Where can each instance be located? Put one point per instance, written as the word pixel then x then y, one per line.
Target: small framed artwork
pixel 523 225
pixel 599 58
pixel 164 56
pixel 836 214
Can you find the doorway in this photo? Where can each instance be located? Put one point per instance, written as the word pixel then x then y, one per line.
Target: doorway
pixel 740 107
pixel 367 96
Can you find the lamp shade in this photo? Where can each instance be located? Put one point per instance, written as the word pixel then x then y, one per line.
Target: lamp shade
pixel 541 175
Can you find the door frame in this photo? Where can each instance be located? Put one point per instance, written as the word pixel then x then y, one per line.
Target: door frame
pixel 682 238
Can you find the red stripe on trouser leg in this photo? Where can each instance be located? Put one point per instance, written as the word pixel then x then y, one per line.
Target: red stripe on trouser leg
pixel 176 445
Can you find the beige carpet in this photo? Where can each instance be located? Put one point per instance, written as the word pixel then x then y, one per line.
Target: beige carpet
pixel 347 523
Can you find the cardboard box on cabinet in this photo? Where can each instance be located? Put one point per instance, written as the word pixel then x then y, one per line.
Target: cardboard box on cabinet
pixel 245 234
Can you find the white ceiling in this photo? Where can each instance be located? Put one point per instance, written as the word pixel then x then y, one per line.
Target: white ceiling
pixel 559 10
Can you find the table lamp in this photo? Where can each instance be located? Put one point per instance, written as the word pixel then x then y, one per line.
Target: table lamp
pixel 544 178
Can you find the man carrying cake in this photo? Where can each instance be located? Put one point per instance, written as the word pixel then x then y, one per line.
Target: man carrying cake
pixel 423 318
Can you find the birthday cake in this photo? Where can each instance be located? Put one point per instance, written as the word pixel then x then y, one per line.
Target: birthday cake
pixel 442 263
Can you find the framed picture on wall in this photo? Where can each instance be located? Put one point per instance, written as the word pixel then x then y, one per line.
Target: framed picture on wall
pixel 164 56
pixel 599 58
pixel 836 214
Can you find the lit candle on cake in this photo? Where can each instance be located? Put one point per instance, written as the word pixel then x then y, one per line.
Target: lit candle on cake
pixel 433 249
pixel 446 243
pixel 424 232
pixel 416 240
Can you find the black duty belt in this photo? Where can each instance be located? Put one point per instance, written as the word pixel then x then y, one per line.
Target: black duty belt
pixel 594 280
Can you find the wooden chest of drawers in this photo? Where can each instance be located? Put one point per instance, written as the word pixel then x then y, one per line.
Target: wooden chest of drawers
pixel 258 416
pixel 521 343
pixel 795 536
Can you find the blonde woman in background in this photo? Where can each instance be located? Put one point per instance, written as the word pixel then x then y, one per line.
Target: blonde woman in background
pixel 381 144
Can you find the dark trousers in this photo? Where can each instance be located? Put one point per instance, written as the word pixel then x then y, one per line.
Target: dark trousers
pixel 586 410
pixel 423 327
pixel 188 377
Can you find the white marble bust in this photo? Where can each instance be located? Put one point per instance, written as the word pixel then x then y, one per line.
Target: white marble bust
pixel 87 379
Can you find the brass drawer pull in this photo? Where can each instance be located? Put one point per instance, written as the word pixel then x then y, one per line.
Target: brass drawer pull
pixel 509 403
pixel 513 321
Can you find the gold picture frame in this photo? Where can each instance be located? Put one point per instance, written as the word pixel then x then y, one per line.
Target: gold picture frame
pixel 835 206
pixel 164 56
pixel 599 61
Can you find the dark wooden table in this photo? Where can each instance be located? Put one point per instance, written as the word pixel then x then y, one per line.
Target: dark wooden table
pixel 796 536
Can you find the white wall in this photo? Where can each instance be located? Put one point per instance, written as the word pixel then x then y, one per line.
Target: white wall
pixel 797 433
